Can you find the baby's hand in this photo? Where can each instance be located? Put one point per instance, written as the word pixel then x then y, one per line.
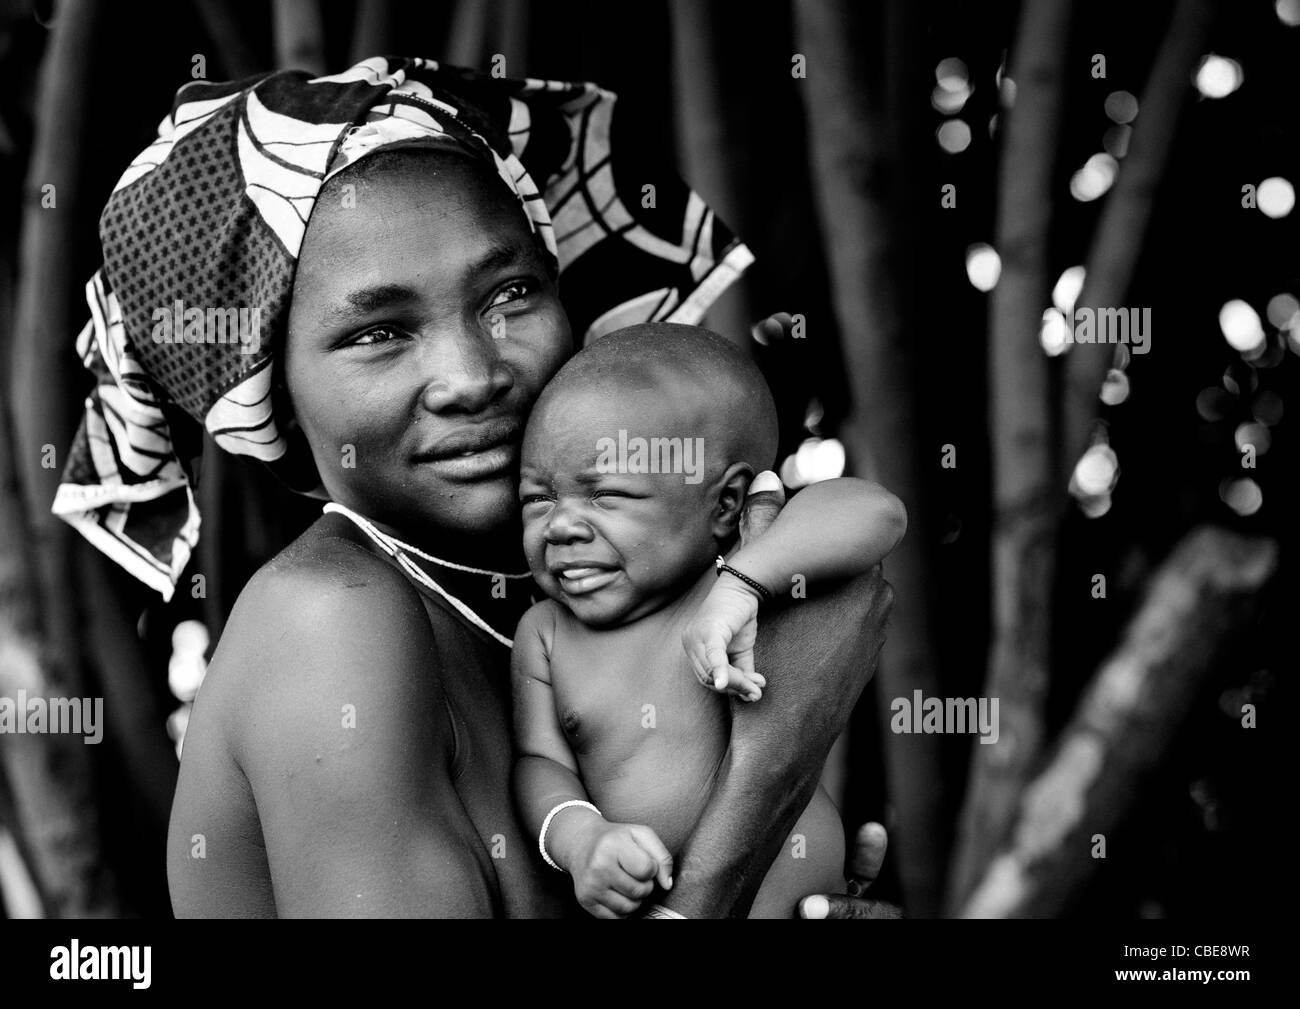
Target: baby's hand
pixel 617 868
pixel 720 640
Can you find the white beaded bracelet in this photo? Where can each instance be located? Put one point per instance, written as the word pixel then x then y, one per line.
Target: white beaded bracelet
pixel 659 911
pixel 546 823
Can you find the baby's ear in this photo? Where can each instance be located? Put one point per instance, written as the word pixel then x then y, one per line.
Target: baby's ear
pixel 731 499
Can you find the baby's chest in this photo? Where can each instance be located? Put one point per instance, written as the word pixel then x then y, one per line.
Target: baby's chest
pixel 616 705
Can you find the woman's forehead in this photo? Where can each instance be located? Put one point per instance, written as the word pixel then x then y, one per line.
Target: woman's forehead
pixel 447 212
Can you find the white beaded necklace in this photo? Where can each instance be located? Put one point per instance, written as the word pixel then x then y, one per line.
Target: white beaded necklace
pixel 398 550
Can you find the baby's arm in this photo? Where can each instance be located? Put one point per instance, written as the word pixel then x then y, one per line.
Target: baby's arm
pixel 836 529
pixel 830 530
pixel 614 865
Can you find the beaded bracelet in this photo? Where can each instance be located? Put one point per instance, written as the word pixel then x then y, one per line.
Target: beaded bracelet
pixel 659 911
pixel 722 566
pixel 546 823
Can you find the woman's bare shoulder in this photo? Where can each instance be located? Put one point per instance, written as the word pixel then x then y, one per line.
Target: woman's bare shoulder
pixel 329 566
pixel 325 616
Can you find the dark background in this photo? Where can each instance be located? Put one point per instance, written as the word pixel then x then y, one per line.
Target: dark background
pixel 1198 831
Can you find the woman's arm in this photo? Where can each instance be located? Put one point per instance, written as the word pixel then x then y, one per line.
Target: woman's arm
pixel 829 644
pixel 819 655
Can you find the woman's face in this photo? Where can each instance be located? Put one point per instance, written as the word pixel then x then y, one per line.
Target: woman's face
pixel 423 326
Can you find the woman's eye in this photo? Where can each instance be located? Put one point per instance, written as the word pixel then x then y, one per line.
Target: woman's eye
pixel 610 493
pixel 379 334
pixel 528 499
pixel 513 291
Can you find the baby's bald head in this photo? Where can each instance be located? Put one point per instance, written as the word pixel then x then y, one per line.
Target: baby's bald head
pixel 708 386
pixel 635 465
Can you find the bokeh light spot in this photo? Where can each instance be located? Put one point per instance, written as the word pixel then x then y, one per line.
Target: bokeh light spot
pixel 817 459
pixel 949 102
pixel 1095 507
pixel 1068 286
pixel 1121 107
pixel 1242 496
pixel 1095 177
pixel 1055 333
pixel 1288 12
pixel 1097 472
pixel 953 136
pixel 1275 197
pixel 1252 434
pixel 814 414
pixel 1218 76
pixel 983 266
pixel 1283 311
pixel 1212 403
pixel 1241 326
pixel 1116 140
pixel 1115 389
pixel 952 74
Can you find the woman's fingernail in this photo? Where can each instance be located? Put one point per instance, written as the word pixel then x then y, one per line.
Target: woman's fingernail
pixel 815 907
pixel 765 481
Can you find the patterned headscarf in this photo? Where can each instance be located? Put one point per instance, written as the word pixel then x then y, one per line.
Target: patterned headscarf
pixel 201 238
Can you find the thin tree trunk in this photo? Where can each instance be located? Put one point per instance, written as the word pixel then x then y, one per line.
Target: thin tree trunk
pixel 852 149
pixel 372 32
pixel 220 540
pixel 1025 495
pixel 299 35
pixel 509 34
pixel 44 370
pixel 706 139
pixel 1205 594
pixel 135 721
pixel 48 775
pixel 51 775
pixel 234 53
pixel 467 44
pixel 1118 240
pixel 24 758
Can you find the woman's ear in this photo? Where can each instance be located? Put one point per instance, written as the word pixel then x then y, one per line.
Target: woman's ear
pixel 731 499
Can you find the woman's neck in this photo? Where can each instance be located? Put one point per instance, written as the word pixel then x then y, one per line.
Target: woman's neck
pixel 498 550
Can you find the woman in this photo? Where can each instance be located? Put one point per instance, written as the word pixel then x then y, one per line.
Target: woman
pixel 386 244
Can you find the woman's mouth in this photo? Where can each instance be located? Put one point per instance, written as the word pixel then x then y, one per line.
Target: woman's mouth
pixel 475 464
pixel 580 581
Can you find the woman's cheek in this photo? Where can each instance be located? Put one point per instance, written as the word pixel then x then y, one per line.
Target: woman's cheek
pixel 538 345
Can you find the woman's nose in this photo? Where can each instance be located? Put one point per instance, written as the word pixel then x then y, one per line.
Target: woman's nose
pixel 564 526
pixel 465 373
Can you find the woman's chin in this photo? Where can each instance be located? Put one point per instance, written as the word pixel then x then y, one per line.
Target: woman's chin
pixel 485 506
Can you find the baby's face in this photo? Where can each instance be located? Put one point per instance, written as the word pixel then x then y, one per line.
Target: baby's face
pixel 610 542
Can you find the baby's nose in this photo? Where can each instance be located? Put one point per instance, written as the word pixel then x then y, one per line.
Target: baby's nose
pixel 564 526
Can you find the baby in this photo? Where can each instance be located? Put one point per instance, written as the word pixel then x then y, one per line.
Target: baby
pixel 634 471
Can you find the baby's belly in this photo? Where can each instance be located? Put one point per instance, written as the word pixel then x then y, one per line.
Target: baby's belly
pixel 662 782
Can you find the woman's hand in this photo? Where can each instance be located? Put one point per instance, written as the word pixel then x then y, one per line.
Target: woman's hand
pixel 864 866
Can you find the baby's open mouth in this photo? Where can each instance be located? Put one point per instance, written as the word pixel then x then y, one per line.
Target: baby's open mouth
pixel 580 580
